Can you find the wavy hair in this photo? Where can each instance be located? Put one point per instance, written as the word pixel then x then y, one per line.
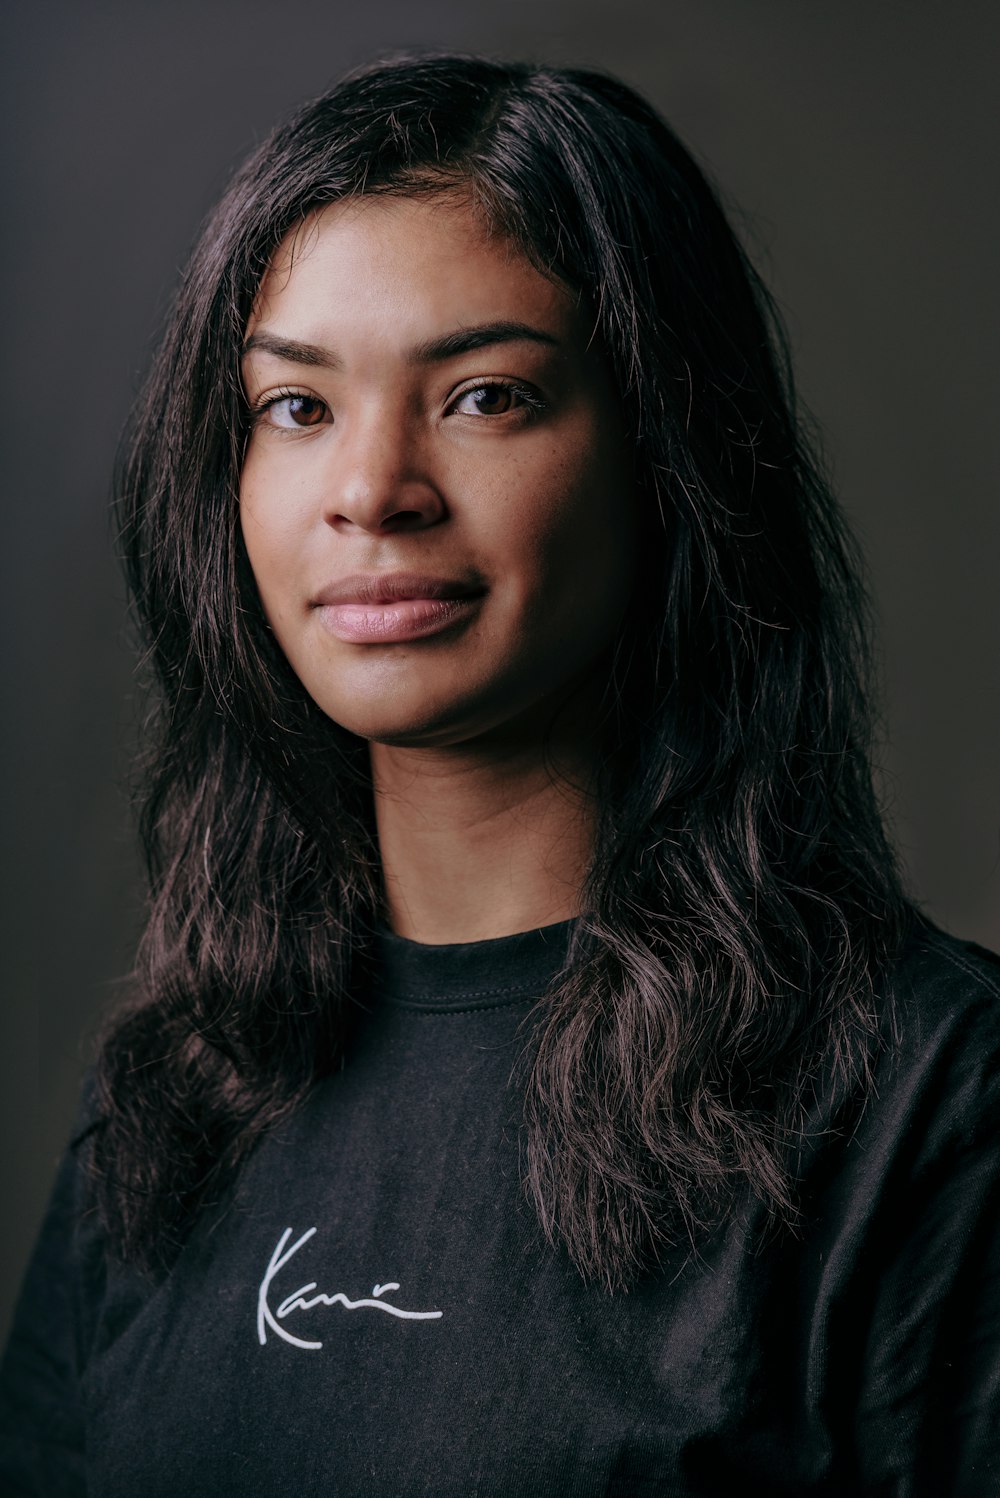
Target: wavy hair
pixel 743 900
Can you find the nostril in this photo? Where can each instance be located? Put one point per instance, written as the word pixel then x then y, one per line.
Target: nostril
pixel 405 520
pixel 378 485
pixel 387 517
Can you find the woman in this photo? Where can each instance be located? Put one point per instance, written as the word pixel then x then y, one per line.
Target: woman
pixel 537 1081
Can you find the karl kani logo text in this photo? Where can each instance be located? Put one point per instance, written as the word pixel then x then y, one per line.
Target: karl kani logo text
pixel 304 1300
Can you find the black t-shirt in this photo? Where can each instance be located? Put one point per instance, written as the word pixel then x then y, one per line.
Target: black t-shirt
pixel 376 1314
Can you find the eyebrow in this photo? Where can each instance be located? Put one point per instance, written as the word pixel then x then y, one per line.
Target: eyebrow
pixel 433 351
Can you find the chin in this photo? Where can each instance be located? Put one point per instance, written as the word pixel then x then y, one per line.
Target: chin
pixel 407 725
pixel 438 719
pixel 415 703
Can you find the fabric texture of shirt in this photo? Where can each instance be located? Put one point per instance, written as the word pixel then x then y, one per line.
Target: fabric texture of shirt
pixel 376 1315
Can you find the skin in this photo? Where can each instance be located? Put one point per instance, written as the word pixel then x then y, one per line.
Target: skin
pixel 503 466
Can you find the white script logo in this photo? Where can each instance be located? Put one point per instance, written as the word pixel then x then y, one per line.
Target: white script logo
pixel 304 1300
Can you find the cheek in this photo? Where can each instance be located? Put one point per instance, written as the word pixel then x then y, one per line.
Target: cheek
pixel 280 493
pixel 574 540
pixel 272 533
pixel 587 544
pixel 258 540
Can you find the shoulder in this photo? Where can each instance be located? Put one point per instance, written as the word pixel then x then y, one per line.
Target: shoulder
pixel 89 1113
pixel 944 994
pixel 940 1073
pixel 937 974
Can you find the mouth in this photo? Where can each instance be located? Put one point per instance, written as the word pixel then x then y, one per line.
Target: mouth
pixel 391 608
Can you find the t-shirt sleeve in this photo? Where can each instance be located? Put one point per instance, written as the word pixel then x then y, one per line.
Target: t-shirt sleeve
pixel 41 1417
pixel 930 1420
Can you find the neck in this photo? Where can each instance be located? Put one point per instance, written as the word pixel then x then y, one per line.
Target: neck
pixel 480 841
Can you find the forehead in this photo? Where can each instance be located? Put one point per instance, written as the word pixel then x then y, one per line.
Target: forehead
pixel 406 265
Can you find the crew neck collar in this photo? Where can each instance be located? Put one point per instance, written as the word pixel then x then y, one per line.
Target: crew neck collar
pixel 470 974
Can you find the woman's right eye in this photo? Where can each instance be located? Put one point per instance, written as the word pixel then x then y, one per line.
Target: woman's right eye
pixel 293 413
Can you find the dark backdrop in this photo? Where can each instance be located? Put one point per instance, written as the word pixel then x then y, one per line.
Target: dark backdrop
pixel 860 142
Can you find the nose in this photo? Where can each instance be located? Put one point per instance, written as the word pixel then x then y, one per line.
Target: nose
pixel 382 480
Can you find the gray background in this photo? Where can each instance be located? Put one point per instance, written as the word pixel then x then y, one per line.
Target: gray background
pixel 859 141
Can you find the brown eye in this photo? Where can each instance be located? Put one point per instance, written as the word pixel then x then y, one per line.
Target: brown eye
pixel 488 400
pixel 493 400
pixel 292 412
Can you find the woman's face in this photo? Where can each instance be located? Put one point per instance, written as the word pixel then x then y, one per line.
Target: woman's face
pixel 436 498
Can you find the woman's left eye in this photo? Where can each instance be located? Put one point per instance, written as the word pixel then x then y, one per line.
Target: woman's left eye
pixel 494 398
pixel 293 413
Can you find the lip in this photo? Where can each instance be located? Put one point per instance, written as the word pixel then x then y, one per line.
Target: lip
pixel 390 608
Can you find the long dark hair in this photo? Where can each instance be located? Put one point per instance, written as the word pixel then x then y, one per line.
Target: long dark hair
pixel 742 901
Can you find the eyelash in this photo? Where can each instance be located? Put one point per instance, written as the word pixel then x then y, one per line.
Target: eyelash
pixel 260 410
pixel 530 398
